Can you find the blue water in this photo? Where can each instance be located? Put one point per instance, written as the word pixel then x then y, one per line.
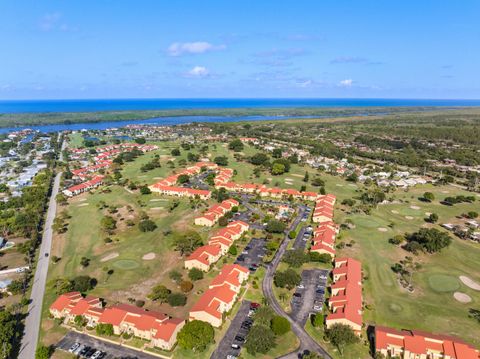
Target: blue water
pixel 164 121
pixel 19 106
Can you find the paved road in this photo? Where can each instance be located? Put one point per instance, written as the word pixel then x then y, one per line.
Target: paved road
pixel 306 342
pixel 32 323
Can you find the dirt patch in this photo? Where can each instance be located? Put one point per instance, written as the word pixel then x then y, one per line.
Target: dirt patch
pixel 149 256
pixel 382 229
pixel 470 283
pixel 409 217
pixel 414 207
pixel 83 204
pixel 109 257
pixel 462 297
pixel 394 211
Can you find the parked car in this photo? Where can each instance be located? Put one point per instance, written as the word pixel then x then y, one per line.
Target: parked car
pixel 240 339
pixel 254 305
pixel 79 349
pixel 235 346
pixel 301 286
pixel 298 295
pixel 74 347
pixel 96 355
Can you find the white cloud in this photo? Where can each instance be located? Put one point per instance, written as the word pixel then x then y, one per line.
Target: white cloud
pixel 199 47
pixel 346 83
pixel 305 83
pixel 53 21
pixel 198 71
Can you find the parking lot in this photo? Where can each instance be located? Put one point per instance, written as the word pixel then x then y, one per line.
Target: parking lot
pixel 309 296
pixel 252 255
pixel 111 350
pixel 236 333
pixel 303 236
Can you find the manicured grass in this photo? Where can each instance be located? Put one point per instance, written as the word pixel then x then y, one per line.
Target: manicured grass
pixel 431 306
pixel 358 350
pixel 283 345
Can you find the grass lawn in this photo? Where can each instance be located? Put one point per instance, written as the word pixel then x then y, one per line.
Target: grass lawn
pixel 75 140
pixel 431 306
pixel 359 350
pixel 284 345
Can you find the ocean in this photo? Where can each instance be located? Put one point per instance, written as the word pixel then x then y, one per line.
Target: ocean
pixel 20 106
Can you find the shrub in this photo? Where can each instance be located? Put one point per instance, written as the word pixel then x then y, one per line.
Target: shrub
pixel 177 299
pixel 195 274
pixel 196 335
pixel 280 325
pixel 186 286
pixel 233 250
pixel 104 329
pixel 145 190
pixel 147 226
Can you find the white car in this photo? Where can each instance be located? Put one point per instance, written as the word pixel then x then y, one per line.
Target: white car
pixel 317 307
pixel 301 286
pixel 96 354
pixel 73 347
pixel 79 349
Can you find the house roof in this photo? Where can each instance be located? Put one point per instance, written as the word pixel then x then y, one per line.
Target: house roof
pixel 166 329
pixel 64 300
pixel 419 342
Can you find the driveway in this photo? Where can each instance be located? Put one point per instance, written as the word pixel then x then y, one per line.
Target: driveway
pixel 224 348
pixel 112 350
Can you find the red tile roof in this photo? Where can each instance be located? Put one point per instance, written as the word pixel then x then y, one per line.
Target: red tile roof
pixel 419 342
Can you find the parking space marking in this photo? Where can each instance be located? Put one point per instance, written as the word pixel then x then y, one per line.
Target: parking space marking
pixel 112 350
pixel 224 348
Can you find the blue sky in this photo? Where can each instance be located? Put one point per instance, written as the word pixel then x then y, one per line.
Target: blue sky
pixel 227 48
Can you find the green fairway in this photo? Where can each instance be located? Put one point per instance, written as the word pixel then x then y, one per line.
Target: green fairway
pixel 126 264
pixel 431 306
pixel 443 283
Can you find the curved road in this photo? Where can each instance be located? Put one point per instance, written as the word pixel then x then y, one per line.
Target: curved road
pixel 34 316
pixel 306 342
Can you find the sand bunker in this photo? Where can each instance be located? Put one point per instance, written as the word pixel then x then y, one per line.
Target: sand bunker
pixel 445 192
pixel 149 256
pixel 414 207
pixel 462 297
pixel 339 185
pixel 394 211
pixel 352 185
pixel 109 257
pixel 297 175
pixel 82 200
pixel 382 229
pixel 428 213
pixel 470 283
pixel 158 200
pixel 409 217
pixel 83 204
pixel 157 208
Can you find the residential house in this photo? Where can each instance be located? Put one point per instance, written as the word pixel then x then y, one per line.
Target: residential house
pixel 345 302
pixel 415 344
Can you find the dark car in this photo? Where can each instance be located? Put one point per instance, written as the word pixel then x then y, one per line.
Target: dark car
pixel 298 295
pixel 254 305
pixel 241 258
pixel 239 339
pixel 84 351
